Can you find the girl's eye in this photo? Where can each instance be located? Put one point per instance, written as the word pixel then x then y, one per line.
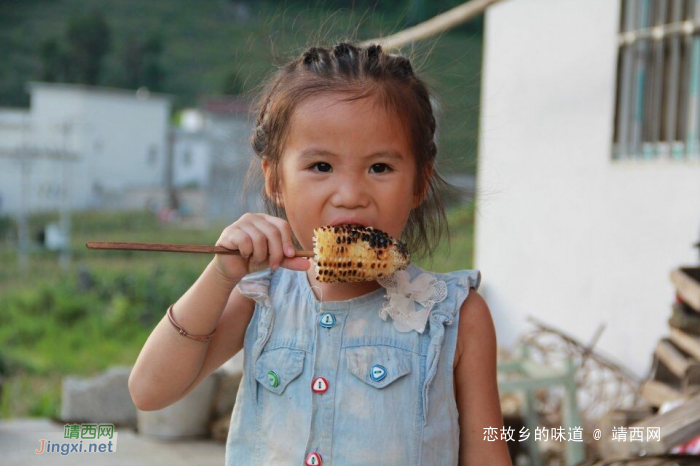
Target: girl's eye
pixel 325 169
pixel 387 168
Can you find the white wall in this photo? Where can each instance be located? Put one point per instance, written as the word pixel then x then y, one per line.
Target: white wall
pixel 114 131
pixel 121 134
pixel 192 160
pixel 563 233
pixel 111 130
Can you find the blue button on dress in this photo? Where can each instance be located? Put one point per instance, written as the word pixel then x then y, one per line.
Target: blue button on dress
pixel 389 396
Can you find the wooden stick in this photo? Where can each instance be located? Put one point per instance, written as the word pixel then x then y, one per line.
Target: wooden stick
pixel 168 247
pixel 433 26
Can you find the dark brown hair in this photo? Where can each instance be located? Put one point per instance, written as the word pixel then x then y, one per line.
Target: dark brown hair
pixel 356 72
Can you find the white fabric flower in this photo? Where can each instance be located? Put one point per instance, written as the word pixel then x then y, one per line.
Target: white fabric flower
pixel 403 293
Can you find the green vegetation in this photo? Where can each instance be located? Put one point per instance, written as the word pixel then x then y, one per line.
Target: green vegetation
pixel 188 49
pixel 100 312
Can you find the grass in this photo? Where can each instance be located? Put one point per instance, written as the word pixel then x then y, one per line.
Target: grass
pixel 100 312
pixel 458 253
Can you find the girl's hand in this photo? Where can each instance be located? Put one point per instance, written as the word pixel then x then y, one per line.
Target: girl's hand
pixel 264 242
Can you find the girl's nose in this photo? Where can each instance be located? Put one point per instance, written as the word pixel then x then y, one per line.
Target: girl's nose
pixel 351 192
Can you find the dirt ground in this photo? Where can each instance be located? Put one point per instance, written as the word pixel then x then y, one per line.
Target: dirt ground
pixel 19 438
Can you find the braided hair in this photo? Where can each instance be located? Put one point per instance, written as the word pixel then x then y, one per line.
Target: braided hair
pixel 356 72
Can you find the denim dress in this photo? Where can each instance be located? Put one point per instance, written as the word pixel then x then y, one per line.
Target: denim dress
pixel 333 383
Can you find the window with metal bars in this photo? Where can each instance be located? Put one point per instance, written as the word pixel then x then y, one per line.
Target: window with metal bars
pixel 657 108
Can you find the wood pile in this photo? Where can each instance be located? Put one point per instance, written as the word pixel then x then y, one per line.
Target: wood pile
pixel 675 372
pixel 672 388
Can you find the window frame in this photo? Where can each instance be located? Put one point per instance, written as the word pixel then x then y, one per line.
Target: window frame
pixel 657 96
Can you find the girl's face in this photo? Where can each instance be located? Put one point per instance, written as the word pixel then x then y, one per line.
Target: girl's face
pixel 346 162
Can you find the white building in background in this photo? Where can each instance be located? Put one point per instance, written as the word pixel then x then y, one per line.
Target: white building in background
pixel 119 138
pixel 212 152
pixel 191 161
pixel 120 142
pixel 583 210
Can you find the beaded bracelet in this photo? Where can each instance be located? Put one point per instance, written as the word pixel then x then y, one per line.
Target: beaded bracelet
pixel 182 331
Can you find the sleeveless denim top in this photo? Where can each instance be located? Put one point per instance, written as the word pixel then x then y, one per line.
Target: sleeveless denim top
pixel 332 383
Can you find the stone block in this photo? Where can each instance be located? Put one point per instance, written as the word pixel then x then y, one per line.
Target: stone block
pixel 104 398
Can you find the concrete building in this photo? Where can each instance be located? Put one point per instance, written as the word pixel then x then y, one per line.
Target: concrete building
pixel 116 138
pixel 588 183
pixel 212 155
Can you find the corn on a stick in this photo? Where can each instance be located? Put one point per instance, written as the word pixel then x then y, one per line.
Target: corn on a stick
pixel 354 253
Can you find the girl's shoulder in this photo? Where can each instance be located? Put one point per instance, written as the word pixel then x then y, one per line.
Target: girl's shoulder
pixel 269 286
pixel 257 285
pixel 464 278
pixel 452 287
pixel 440 294
pixel 457 282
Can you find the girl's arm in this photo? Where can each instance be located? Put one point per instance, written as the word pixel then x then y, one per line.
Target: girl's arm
pixel 171 365
pixel 476 386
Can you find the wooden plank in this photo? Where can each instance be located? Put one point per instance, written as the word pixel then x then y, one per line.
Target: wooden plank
pixel 685 318
pixel 676 362
pixel 687 343
pixel 615 418
pixel 677 426
pixel 661 373
pixel 657 393
pixel 691 382
pixel 687 283
pixel 667 363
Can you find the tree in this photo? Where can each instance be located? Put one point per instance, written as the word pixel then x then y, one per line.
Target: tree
pixel 53 60
pixel 232 83
pixel 153 73
pixel 142 62
pixel 88 39
pixel 132 59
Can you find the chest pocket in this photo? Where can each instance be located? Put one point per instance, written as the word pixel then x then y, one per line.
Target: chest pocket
pixel 276 368
pixel 378 366
pixel 380 406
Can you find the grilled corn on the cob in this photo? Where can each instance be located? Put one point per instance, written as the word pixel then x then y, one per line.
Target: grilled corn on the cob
pixel 355 253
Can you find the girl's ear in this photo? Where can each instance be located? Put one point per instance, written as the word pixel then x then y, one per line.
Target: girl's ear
pixel 418 198
pixel 268 184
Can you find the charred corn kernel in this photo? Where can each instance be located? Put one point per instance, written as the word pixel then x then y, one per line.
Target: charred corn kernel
pixel 354 253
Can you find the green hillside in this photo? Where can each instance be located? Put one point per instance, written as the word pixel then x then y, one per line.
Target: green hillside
pixel 224 46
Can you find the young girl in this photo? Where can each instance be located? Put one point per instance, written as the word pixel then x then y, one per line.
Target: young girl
pixel 400 371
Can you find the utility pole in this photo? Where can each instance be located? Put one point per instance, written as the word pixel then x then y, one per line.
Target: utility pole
pixel 65 210
pixel 25 192
pixel 22 226
pixel 25 155
pixel 170 191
